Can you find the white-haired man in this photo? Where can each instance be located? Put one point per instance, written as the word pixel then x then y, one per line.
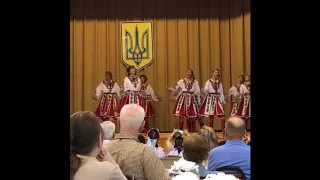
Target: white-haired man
pixel 109 129
pixel 134 158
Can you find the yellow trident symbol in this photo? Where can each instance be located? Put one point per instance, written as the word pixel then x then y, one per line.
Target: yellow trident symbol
pixel 134 51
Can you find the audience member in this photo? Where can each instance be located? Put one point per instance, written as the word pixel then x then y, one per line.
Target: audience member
pixel 142 139
pixel 221 143
pixel 175 133
pixel 196 149
pixel 86 143
pixel 235 152
pixel 109 129
pixel 134 158
pixel 153 137
pixel 246 138
pixel 210 136
pixel 178 147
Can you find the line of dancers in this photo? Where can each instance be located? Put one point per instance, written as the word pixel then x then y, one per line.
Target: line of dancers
pixel 192 103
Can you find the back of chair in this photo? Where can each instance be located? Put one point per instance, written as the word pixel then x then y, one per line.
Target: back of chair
pixel 204 174
pixel 234 170
pixel 168 161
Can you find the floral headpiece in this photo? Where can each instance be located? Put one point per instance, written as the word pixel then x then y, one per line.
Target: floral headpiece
pixel 180 167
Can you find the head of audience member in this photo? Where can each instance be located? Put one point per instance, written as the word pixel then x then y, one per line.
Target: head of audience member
pixel 246 138
pixel 131 120
pixel 209 136
pixel 221 143
pixel 176 134
pixel 153 136
pixel 235 128
pixel 109 129
pixel 86 137
pixel 195 149
pixel 178 144
pixel 142 139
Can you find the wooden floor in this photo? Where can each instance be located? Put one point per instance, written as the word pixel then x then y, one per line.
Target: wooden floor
pixel 164 136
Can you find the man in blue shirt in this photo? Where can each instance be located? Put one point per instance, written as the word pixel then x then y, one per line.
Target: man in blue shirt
pixel 235 152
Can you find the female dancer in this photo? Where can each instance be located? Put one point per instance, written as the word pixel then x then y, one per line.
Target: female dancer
pixel 236 94
pixel 110 92
pixel 131 87
pixel 186 106
pixel 246 111
pixel 147 95
pixel 212 105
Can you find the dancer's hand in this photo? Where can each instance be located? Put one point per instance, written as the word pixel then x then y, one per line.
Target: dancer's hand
pixel 226 97
pixel 186 132
pixel 94 96
pixel 205 91
pixel 174 131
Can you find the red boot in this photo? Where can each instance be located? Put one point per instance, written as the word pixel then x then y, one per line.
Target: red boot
pixel 223 123
pixel 181 123
pixel 146 126
pixel 189 124
pixel 211 122
pixel 194 123
pixel 201 123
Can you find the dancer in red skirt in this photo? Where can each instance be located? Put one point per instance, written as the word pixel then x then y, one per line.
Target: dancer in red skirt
pixel 186 107
pixel 147 95
pixel 131 88
pixel 236 94
pixel 212 105
pixel 110 92
pixel 245 106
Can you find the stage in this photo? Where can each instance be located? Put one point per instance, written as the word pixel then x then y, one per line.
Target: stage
pixel 164 136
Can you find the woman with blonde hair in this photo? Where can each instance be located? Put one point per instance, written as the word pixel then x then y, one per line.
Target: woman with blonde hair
pixel 210 136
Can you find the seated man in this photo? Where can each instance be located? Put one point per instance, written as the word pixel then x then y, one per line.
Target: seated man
pixel 235 152
pixel 134 158
pixel 109 129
